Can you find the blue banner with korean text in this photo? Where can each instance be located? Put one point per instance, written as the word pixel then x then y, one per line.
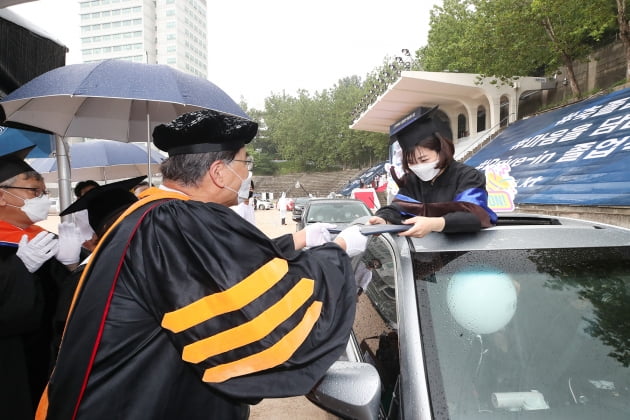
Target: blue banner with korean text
pixel 576 155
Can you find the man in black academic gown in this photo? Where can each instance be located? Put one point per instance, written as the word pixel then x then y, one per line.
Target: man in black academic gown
pixel 33 263
pixel 186 311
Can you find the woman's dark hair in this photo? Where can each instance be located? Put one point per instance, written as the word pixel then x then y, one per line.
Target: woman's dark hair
pixel 437 142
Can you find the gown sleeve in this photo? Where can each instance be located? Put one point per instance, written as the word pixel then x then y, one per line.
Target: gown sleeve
pixel 459 196
pixel 243 310
pixel 21 297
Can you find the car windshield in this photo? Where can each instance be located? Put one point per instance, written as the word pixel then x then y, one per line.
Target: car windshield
pixel 526 333
pixel 338 212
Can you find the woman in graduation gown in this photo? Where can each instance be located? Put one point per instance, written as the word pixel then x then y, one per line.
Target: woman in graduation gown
pixel 436 193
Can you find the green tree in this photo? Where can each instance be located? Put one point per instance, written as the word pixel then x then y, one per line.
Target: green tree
pixel 573 29
pixel 451 46
pixel 506 38
pixel 312 132
pixel 624 31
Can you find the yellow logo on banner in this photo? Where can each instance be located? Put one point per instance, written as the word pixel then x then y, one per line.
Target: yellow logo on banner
pixel 501 188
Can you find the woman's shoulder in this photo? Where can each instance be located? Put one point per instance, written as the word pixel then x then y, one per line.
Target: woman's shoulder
pixel 465 168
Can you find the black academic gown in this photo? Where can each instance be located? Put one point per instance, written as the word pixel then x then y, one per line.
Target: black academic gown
pixel 186 311
pixel 458 194
pixel 27 302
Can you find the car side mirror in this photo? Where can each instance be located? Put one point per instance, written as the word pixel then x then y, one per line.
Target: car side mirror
pixel 349 390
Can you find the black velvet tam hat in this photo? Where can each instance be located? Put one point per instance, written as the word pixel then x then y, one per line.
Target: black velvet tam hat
pixel 204 131
pixel 13 164
pixel 424 124
pixel 103 201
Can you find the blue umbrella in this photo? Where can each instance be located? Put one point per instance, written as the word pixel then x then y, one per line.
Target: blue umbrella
pixel 13 139
pixel 111 99
pixel 102 160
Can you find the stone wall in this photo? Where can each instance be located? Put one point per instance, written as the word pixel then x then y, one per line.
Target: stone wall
pixel 604 69
pixel 319 184
pixel 618 216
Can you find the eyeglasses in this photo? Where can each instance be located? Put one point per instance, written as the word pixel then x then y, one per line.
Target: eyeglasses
pixel 38 192
pixel 248 162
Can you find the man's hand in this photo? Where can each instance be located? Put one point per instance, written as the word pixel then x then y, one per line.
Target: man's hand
pixel 70 241
pixel 354 242
pixel 318 234
pixel 37 251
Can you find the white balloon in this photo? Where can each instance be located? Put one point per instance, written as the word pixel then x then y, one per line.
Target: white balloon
pixel 482 300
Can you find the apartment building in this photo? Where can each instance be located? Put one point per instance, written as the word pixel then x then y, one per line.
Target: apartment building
pixel 171 32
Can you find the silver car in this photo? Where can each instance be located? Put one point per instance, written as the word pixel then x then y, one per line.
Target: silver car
pixel 529 319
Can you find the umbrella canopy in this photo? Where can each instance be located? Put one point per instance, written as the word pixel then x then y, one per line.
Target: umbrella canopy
pixel 102 160
pixel 111 99
pixel 13 139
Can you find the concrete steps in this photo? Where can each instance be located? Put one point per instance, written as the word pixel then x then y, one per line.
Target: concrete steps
pixel 319 184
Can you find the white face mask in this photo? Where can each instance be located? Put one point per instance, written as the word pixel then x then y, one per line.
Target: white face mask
pixel 36 209
pixel 243 192
pixel 425 171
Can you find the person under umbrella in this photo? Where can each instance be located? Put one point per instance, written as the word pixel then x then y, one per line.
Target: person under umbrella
pixel 81 219
pixel 101 205
pixel 186 311
pixel 33 262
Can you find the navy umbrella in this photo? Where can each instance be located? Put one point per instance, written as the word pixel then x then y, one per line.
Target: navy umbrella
pixel 102 160
pixel 111 99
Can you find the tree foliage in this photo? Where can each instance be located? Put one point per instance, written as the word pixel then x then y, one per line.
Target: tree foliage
pixel 311 131
pixel 506 38
pixel 497 39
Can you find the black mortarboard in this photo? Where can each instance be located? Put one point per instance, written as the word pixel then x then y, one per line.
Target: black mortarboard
pixel 204 131
pixel 422 126
pixel 103 201
pixel 13 164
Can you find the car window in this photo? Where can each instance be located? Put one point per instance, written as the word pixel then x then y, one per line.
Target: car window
pixel 533 332
pixel 338 212
pixel 375 325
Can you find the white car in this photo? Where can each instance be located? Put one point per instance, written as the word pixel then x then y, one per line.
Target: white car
pixel 263 204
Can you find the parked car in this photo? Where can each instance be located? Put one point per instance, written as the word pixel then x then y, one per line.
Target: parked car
pixel 298 207
pixel 263 204
pixel 528 319
pixel 339 212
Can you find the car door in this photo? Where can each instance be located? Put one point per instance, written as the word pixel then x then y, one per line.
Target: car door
pixel 376 326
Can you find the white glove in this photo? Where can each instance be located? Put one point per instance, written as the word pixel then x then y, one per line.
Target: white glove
pixel 70 241
pixel 318 234
pixel 355 240
pixel 37 251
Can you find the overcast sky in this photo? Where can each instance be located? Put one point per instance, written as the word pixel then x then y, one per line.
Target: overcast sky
pixel 258 48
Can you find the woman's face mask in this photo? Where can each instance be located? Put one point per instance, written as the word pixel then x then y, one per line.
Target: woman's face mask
pixel 425 171
pixel 36 209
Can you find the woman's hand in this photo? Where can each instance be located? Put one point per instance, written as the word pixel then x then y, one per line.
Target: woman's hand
pixel 423 226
